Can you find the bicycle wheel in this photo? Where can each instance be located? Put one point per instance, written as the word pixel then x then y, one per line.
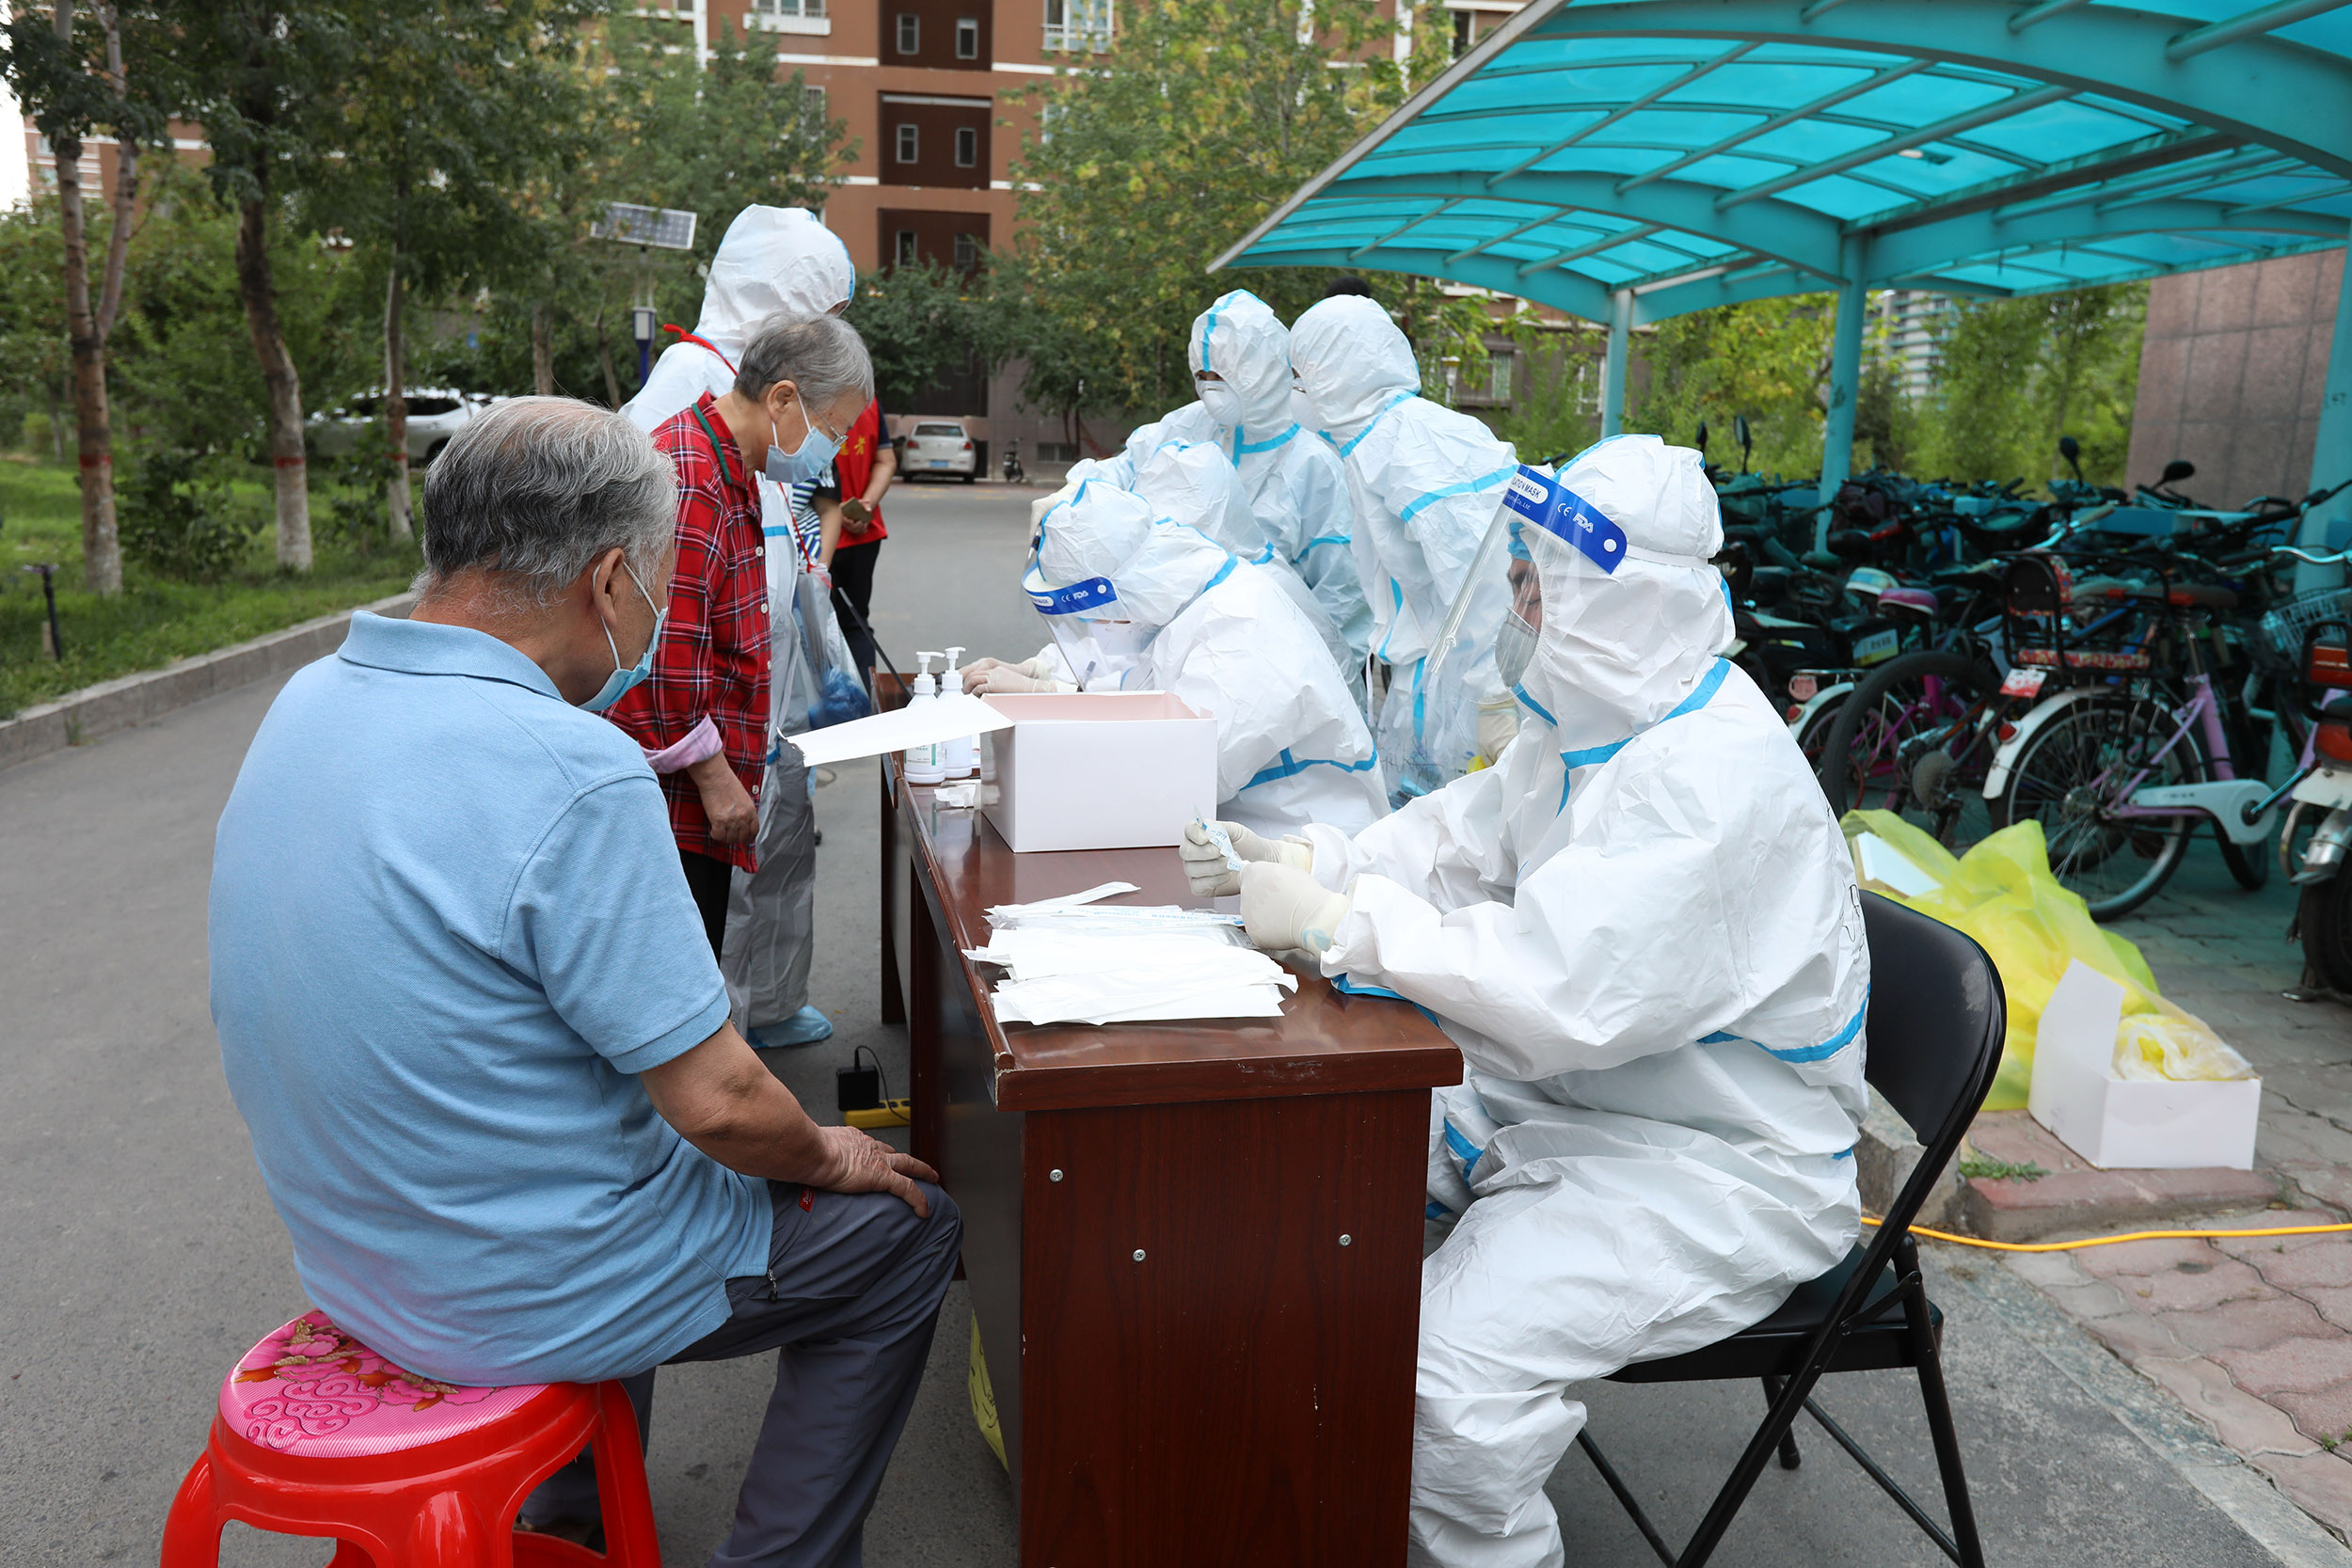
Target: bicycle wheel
pixel 2248 864
pixel 2071 777
pixel 1916 738
pixel 2323 918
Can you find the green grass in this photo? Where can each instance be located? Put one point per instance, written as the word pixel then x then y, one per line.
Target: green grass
pixel 1979 1169
pixel 154 620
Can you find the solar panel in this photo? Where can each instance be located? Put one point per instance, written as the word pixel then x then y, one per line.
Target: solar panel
pixel 661 228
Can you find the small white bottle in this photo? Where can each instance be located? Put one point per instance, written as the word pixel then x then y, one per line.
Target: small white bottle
pixel 961 756
pixel 923 762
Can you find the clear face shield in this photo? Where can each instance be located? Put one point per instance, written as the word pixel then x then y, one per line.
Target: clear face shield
pixel 1090 627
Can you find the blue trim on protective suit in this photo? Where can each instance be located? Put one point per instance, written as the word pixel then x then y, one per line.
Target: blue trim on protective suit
pixel 1208 331
pixel 1356 440
pixel 1222 573
pixel 1820 1052
pixel 1291 767
pixel 1467 487
pixel 1243 449
pixel 1318 542
pixel 1436 1210
pixel 1462 1148
pixel 1537 708
pixel 1708 685
pixel 1396 592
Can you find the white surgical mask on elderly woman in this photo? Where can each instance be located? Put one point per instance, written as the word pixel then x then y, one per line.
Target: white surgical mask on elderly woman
pixel 806 465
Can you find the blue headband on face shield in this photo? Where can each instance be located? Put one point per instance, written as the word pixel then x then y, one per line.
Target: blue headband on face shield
pixel 1567 515
pixel 1092 593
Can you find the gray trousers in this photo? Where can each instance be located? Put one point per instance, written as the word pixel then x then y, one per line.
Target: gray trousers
pixel 771 911
pixel 848 1300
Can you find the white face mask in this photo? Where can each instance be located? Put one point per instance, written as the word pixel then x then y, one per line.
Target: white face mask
pixel 1221 400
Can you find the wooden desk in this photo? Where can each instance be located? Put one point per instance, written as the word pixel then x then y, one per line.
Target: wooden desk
pixel 1194 1248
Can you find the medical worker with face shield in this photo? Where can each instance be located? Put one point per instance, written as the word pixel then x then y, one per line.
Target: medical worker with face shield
pixel 1641 929
pixel 1241 372
pixel 773 262
pixel 1425 480
pixel 1139 604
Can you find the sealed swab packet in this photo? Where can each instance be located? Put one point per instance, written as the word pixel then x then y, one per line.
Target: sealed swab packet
pixel 1215 834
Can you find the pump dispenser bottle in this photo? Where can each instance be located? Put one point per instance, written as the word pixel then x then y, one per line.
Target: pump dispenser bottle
pixel 961 756
pixel 924 763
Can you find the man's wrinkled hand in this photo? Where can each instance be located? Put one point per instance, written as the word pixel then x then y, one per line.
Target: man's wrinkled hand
pixel 856 1162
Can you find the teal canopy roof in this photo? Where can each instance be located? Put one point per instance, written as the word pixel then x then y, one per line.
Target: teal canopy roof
pixel 1698 152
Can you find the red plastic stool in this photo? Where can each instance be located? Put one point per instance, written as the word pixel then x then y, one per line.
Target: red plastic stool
pixel 316 1434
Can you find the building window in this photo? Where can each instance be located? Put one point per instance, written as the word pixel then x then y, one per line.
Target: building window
pixel 910 33
pixel 811 8
pixel 967 146
pixel 908 143
pixel 813 101
pixel 967 37
pixel 1079 24
pixel 967 252
pixel 1461 33
pixel 903 249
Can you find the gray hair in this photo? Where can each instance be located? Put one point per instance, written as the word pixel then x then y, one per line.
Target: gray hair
pixel 822 356
pixel 536 488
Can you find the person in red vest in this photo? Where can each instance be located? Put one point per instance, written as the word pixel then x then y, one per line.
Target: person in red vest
pixel 850 510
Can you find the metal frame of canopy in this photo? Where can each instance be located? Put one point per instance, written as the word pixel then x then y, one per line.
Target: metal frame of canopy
pixel 1629 161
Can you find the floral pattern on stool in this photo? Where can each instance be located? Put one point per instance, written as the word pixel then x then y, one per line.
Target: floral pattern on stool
pixel 312 1388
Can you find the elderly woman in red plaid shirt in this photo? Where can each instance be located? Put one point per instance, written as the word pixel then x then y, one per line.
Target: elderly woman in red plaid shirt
pixel 703 717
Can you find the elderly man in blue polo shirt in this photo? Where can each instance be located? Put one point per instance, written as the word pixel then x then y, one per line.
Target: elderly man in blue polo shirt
pixel 469 1014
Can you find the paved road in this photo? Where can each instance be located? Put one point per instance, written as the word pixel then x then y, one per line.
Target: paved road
pixel 138 1252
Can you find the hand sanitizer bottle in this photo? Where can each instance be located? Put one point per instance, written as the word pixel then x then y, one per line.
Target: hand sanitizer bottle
pixel 923 762
pixel 961 756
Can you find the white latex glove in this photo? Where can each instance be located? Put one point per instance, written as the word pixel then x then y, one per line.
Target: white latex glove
pixel 1285 910
pixel 984 675
pixel 1498 723
pixel 1204 863
pixel 1040 507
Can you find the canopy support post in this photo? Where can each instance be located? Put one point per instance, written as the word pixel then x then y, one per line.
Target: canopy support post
pixel 1613 368
pixel 2332 451
pixel 1845 379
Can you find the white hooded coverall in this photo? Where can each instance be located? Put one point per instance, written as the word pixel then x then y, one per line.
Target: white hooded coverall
pixel 1292 748
pixel 1295 483
pixel 773 260
pixel 1641 929
pixel 1425 480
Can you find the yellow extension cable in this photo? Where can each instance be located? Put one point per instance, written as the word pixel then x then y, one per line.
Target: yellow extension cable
pixel 2110 1241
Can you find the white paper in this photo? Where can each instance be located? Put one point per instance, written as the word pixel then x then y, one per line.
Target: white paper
pixel 944 718
pixel 1888 866
pixel 1065 901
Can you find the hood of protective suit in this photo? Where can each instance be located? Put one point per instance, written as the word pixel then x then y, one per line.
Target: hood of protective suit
pixel 1243 340
pixel 773 259
pixel 1617 652
pixel 1194 484
pixel 1351 361
pixel 1154 567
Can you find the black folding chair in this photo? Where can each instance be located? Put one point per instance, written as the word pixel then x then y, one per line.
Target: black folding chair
pixel 1934 1040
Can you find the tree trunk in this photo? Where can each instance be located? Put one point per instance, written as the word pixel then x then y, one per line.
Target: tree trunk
pixel 396 402
pixel 542 351
pixel 126 183
pixel 101 551
pixel 260 295
pixel 604 356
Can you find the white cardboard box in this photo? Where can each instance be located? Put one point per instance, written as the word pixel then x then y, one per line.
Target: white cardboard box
pixel 1097 770
pixel 2122 1123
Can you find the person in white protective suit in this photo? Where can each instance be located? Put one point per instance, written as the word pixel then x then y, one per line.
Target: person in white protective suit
pixel 773 260
pixel 1137 603
pixel 1641 929
pixel 1195 484
pixel 1297 487
pixel 1425 480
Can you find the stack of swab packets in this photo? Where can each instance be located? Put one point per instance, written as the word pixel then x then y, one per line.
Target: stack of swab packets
pixel 1069 962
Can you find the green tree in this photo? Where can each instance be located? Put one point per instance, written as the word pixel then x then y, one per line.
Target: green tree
pixel 1203 117
pixel 1767 359
pixel 267 71
pixel 926 321
pixel 432 144
pixel 78 74
pixel 2016 374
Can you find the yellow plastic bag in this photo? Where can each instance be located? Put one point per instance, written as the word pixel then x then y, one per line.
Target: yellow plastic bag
pixel 2002 894
pixel 984 1398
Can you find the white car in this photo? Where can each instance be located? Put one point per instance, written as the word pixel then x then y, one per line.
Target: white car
pixel 435 415
pixel 941 446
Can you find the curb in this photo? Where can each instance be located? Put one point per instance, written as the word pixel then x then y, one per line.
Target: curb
pixel 129 700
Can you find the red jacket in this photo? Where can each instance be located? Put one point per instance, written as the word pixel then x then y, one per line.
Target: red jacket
pixel 713 654
pixel 854 466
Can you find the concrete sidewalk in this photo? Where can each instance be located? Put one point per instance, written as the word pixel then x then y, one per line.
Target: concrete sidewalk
pixel 2253 1336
